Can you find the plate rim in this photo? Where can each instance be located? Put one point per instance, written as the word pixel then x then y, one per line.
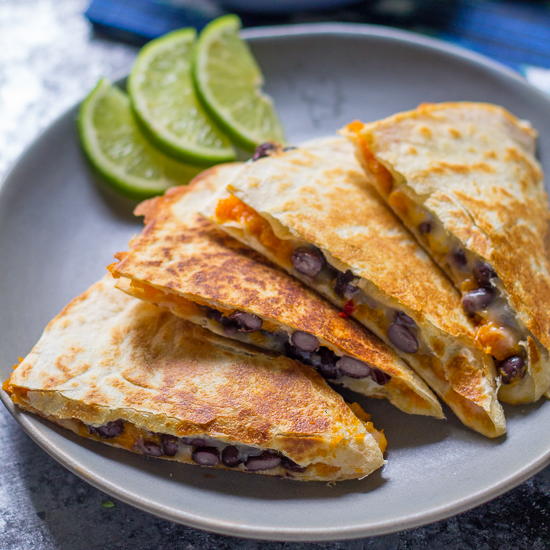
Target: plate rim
pixel 30 426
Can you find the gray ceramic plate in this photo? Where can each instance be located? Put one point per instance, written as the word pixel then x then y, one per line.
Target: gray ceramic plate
pixel 58 229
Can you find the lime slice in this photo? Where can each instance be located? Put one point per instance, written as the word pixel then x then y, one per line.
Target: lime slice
pixel 161 90
pixel 118 150
pixel 229 83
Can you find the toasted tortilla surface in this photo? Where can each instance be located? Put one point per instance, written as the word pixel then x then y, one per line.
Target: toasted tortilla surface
pixel 108 356
pixel 180 254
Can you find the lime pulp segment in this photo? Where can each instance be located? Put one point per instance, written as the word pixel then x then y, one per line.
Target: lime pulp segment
pixel 162 94
pixel 118 150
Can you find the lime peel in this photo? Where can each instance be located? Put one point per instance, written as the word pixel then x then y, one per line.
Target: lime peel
pixel 162 95
pixel 228 80
pixel 117 149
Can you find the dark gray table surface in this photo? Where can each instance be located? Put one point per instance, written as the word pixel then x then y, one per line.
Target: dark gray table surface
pixel 49 58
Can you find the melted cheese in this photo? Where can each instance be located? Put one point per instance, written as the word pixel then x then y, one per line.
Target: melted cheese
pixel 131 436
pixel 496 338
pixel 177 304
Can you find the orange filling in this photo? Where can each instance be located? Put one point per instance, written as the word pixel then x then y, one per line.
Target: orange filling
pixel 233 209
pixel 127 439
pixel 496 340
pixel 18 395
pixel 414 216
pixel 178 305
pixel 182 307
pixel 378 435
pixel 365 419
pixel 383 177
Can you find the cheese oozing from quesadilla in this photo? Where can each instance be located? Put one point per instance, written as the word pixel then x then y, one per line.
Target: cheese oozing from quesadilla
pixel 311 211
pixel 464 180
pixel 122 371
pixel 183 263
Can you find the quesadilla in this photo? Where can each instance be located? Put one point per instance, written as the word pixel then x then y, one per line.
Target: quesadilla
pixel 123 372
pixel 311 211
pixel 183 263
pixel 463 178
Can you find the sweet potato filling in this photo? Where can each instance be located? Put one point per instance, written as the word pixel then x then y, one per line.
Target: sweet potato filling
pixel 379 171
pixel 188 309
pixel 498 333
pixel 127 439
pixel 202 450
pixel 497 340
pixel 310 262
pixel 182 306
pixel 233 209
pixel 481 296
pixel 366 420
pixel 383 177
pixel 262 333
pixel 415 217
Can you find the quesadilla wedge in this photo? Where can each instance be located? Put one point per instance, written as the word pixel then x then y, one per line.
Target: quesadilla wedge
pixel 311 211
pixel 463 178
pixel 122 371
pixel 182 262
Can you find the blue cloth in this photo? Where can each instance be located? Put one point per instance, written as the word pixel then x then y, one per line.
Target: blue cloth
pixel 512 32
pixel 142 20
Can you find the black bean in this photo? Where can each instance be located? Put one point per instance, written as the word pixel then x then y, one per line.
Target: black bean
pixel 304 341
pixel 206 456
pixel 403 319
pixel 343 285
pixel 323 359
pixel 327 356
pixel 263 150
pixel 111 429
pixel 169 444
pixel 194 441
pixel 290 465
pixel 149 448
pixel 280 339
pixel 314 359
pixel 512 368
pixel 329 371
pixel 380 377
pixel 230 327
pixel 477 300
pixel 402 337
pixel 425 227
pixel 308 260
pixel 266 461
pixel 483 273
pixel 353 368
pixel 230 456
pixel 214 314
pixel 295 353
pixel 459 258
pixel 246 322
pixel 327 367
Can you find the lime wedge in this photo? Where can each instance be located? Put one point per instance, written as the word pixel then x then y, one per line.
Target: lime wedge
pixel 229 83
pixel 117 149
pixel 161 90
